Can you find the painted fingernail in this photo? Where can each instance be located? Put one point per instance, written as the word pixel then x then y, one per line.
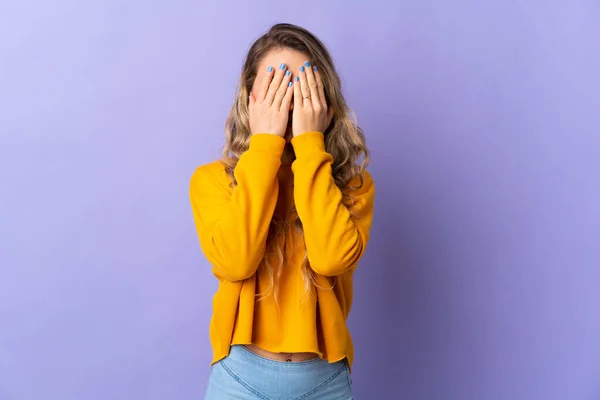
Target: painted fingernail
pixel 287 73
pixel 302 69
pixel 290 84
pixel 270 69
pixel 282 66
pixel 307 63
pixel 297 79
pixel 315 68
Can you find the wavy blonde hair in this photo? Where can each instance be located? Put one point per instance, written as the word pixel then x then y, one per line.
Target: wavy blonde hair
pixel 344 139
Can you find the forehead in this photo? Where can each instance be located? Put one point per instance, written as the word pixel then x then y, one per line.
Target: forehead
pixel 292 58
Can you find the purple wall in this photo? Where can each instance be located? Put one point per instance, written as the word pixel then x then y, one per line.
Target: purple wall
pixel 482 280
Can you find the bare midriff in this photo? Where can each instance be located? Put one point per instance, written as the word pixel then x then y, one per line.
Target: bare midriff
pixel 289 357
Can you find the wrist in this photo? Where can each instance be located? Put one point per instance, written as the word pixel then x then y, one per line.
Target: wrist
pixel 308 142
pixel 267 142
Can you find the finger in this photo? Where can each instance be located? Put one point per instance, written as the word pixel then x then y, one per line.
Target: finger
pixel 274 86
pixel 264 85
pixel 297 94
pixel 321 87
pixel 304 89
pixel 287 99
pixel 283 87
pixel 312 85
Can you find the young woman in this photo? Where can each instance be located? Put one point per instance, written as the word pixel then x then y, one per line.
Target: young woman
pixel 284 218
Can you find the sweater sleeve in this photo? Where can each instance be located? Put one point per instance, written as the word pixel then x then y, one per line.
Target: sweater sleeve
pixel 233 224
pixel 335 234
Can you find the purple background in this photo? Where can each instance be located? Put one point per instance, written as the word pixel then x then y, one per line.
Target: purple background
pixel 482 280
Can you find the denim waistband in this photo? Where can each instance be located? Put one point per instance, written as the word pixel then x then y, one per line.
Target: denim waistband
pixel 268 379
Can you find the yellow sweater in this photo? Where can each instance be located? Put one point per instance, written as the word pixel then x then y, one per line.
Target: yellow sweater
pixel 232 224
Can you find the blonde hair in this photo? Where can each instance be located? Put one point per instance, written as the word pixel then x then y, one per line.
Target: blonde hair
pixel 344 139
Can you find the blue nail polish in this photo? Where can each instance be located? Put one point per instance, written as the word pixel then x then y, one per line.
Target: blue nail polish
pixel 287 73
pixel 307 63
pixel 302 69
pixel 282 66
pixel 270 69
pixel 297 79
pixel 315 68
pixel 290 84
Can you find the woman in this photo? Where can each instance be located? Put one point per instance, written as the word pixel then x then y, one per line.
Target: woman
pixel 284 218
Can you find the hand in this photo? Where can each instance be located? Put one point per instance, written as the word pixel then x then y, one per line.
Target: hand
pixel 310 105
pixel 269 111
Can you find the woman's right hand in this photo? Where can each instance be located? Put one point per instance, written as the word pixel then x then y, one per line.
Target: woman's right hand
pixel 269 110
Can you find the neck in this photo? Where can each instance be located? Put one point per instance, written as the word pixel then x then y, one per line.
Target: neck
pixel 288 156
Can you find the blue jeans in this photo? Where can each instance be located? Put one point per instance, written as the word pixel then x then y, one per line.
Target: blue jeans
pixel 246 375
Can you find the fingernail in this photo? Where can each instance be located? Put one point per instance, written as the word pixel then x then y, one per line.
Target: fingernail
pixel 302 69
pixel 270 69
pixel 282 66
pixel 297 79
pixel 290 84
pixel 315 68
pixel 307 63
pixel 287 73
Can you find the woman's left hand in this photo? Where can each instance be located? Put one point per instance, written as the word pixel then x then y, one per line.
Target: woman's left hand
pixel 311 112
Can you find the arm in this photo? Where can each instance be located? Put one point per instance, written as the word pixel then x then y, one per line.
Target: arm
pixel 335 239
pixel 233 224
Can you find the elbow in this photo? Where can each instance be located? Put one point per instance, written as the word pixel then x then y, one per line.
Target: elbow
pixel 238 276
pixel 330 268
pixel 336 263
pixel 236 272
pixel 233 265
pixel 333 266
